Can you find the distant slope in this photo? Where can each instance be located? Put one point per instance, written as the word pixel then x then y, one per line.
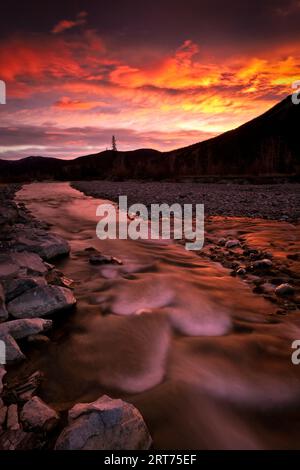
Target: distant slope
pixel 267 145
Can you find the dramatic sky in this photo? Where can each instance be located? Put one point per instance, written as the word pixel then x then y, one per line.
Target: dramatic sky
pixel 160 73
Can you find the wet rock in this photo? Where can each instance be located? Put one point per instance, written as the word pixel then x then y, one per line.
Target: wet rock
pixel 241 271
pixel 263 264
pixel 13 418
pixel 284 290
pixel 232 244
pixel 20 440
pixel 41 301
pixel 37 415
pixel 3 311
pixel 45 244
pixel 19 329
pixel 17 264
pixel 105 424
pixel 12 352
pixel 8 214
pixel 222 241
pixel 103 259
pixel 15 287
pixel 57 278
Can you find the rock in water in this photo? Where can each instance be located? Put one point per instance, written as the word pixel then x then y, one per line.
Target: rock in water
pixel 19 329
pixel 232 244
pixel 38 415
pixel 41 301
pixel 13 353
pixel 284 290
pixel 263 264
pixel 105 424
pixel 47 245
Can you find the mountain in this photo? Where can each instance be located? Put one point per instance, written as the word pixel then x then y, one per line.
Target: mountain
pixel 266 146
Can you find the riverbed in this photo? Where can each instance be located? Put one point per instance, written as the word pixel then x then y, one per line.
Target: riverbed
pixel 204 358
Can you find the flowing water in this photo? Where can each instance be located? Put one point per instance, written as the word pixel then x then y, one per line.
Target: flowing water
pixel 192 347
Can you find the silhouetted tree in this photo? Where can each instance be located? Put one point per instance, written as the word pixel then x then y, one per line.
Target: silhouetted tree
pixel 114 144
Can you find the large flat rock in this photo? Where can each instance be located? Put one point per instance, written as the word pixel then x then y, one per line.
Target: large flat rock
pixel 105 424
pixel 41 301
pixel 22 328
pixel 45 244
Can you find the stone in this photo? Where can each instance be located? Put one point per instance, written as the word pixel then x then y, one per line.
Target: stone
pixel 105 424
pixel 45 244
pixel 19 329
pixel 284 290
pixel 8 213
pixel 3 310
pixel 20 440
pixel 14 264
pixel 241 271
pixel 15 287
pixel 41 301
pixel 13 353
pixel 13 418
pixel 222 241
pixel 263 264
pixel 103 259
pixel 57 278
pixel 37 415
pixel 232 244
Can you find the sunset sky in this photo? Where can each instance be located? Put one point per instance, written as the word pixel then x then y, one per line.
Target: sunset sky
pixel 160 74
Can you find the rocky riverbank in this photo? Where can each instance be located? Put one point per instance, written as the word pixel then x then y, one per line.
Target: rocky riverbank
pixel 241 221
pixel 31 291
pixel 268 201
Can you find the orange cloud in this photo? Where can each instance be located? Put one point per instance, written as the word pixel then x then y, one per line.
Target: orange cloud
pixel 64 25
pixel 189 91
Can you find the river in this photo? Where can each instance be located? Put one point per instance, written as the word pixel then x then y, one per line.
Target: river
pixel 191 346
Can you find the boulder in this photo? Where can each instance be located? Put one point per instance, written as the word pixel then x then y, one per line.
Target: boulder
pixel 20 440
pixel 232 244
pixel 284 290
pixel 105 424
pixel 263 264
pixel 12 418
pixel 103 259
pixel 41 301
pixel 19 329
pixel 15 287
pixel 8 213
pixel 37 415
pixel 14 264
pixel 13 353
pixel 45 244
